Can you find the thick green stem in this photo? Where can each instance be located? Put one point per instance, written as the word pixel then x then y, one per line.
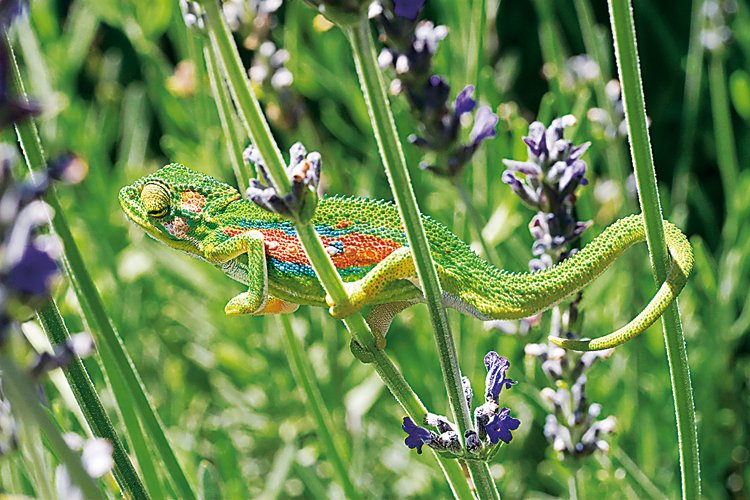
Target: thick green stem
pixel 393 160
pixel 621 16
pixel 305 378
pixel 251 115
pixel 120 365
pixel 252 118
pixel 85 393
pixel 23 400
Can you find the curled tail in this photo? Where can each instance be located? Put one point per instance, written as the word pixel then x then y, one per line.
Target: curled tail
pixel 526 294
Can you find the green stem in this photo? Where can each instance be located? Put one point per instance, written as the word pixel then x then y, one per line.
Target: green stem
pixel 224 108
pixel 726 150
pixel 108 340
pixel 22 396
pixel 393 160
pixel 85 393
pixel 553 50
pixel 476 43
pixel 252 118
pixel 690 105
pixel 305 378
pixel 621 16
pixel 257 128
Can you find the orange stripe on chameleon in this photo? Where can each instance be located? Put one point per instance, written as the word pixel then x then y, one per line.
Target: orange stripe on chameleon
pixel 359 249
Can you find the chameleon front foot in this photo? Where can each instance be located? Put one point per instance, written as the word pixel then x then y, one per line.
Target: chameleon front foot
pixel 243 303
pixel 352 306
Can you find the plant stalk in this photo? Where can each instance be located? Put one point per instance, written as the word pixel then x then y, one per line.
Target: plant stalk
pixel 22 396
pixel 85 393
pixel 392 156
pixel 305 377
pixel 621 16
pixel 108 340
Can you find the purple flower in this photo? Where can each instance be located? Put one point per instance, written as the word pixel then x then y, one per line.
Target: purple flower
pixel 408 9
pixel 417 436
pixel 485 122
pixel 464 103
pixel 500 425
pixel 33 273
pixel 497 367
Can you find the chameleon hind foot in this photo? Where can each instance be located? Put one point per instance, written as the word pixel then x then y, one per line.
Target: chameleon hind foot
pixel 341 311
pixel 379 320
pixel 359 352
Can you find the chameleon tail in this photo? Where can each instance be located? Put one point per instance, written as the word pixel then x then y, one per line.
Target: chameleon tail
pixel 538 291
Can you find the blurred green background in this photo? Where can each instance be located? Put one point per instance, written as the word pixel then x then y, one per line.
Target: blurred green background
pixel 123 86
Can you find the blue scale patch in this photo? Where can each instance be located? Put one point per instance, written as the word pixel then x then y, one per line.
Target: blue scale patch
pixel 305 270
pixel 289 229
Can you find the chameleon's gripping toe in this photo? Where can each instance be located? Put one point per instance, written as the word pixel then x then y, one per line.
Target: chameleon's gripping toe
pixel 681 265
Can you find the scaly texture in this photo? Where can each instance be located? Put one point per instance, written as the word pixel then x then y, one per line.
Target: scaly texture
pixel 197 214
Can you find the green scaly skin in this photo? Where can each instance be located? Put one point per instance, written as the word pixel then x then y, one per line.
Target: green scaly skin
pixel 208 219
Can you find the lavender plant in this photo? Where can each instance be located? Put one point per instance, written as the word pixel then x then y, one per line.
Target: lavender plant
pixel 547 182
pixel 28 271
pixel 492 424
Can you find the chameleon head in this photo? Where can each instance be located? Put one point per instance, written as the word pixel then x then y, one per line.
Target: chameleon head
pixel 176 205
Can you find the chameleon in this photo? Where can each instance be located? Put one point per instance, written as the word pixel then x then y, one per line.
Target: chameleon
pixel 208 219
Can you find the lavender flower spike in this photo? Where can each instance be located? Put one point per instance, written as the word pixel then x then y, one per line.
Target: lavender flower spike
pixel 34 272
pixel 303 172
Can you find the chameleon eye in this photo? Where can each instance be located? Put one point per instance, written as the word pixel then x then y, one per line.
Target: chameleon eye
pixel 155 197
